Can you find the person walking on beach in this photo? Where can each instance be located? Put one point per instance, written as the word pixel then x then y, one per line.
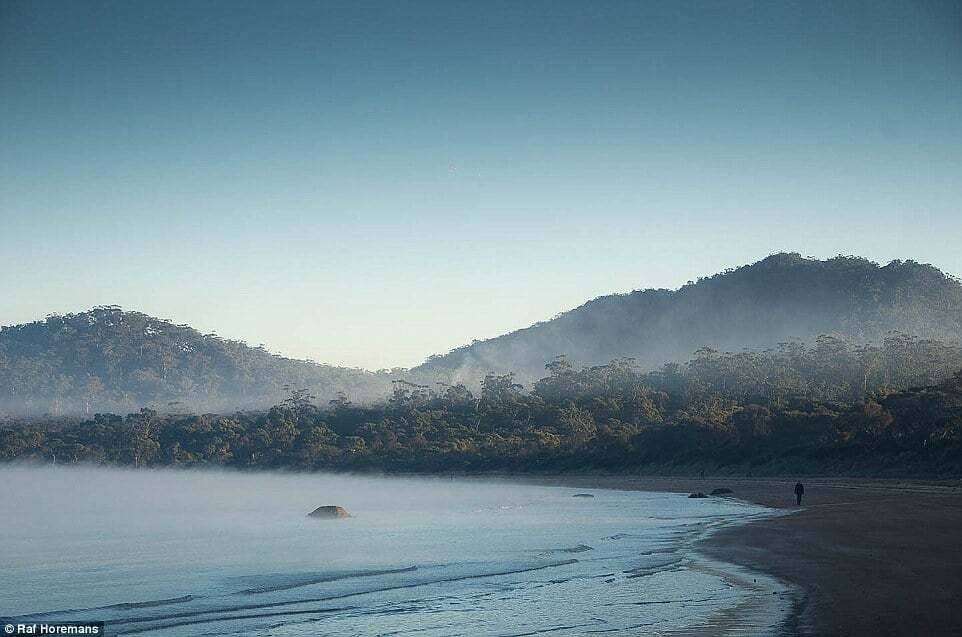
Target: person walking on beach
pixel 799 490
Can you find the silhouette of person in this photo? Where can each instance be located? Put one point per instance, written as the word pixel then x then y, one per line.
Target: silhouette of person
pixel 799 490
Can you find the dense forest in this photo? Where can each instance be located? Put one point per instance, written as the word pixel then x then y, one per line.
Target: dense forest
pixel 833 407
pixel 757 306
pixel 109 359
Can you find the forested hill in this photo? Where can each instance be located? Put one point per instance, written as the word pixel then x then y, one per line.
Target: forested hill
pixel 110 360
pixel 107 359
pixel 782 297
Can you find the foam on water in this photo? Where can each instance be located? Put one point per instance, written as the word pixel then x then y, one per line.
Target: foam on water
pixel 206 553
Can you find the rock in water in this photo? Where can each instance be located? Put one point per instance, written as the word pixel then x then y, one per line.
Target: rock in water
pixel 582 495
pixel 329 512
pixel 698 495
pixel 721 491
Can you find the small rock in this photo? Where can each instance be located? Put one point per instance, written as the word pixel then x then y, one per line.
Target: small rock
pixel 582 495
pixel 697 495
pixel 329 512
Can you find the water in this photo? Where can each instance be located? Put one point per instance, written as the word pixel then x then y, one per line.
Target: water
pixel 208 553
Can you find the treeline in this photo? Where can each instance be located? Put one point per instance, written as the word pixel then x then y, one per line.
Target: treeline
pixel 756 306
pixel 110 359
pixel 832 407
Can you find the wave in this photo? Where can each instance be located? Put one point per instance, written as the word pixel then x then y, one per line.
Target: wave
pixel 308 579
pixel 653 565
pixel 210 620
pixel 554 629
pixel 227 613
pixel 581 548
pixel 121 606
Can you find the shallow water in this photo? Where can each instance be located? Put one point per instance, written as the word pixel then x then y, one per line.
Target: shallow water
pixel 212 553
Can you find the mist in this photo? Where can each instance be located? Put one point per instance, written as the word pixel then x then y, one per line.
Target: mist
pixel 110 360
pixel 190 552
pixel 177 496
pixel 784 297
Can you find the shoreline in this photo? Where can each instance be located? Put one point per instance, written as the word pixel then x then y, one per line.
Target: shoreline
pixel 771 604
pixel 868 556
pixel 865 556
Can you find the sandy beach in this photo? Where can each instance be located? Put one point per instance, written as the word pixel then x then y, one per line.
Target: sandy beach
pixel 870 557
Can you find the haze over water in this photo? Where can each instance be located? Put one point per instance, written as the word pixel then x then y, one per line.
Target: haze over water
pixel 199 553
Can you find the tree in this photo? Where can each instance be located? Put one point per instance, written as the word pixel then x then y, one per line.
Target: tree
pixel 577 424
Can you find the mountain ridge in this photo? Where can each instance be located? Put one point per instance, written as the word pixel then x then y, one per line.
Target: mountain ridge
pixel 110 359
pixel 782 297
pixel 106 358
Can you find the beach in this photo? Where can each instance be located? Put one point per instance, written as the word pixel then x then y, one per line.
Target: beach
pixel 499 554
pixel 869 557
pixel 209 552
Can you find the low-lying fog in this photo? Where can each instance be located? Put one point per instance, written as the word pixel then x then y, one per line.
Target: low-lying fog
pixel 194 552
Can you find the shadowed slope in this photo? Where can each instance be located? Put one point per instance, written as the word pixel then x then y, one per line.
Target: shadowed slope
pixel 780 298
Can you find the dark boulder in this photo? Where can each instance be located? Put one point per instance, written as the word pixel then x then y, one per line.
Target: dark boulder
pixel 721 491
pixel 329 512
pixel 582 495
pixel 697 495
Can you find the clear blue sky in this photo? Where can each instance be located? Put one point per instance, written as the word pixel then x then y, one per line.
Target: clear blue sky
pixel 368 183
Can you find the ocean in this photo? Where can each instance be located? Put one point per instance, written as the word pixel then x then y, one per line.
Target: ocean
pixel 177 552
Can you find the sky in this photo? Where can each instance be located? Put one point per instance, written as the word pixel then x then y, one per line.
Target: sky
pixel 369 183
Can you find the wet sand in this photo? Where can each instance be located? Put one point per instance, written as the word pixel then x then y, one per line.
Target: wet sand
pixel 870 557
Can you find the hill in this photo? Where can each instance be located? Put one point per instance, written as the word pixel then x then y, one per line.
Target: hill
pixel 783 297
pixel 107 359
